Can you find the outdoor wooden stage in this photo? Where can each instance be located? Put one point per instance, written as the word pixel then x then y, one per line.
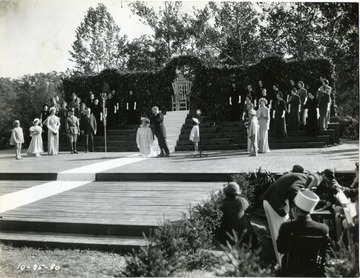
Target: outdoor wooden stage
pixel 91 200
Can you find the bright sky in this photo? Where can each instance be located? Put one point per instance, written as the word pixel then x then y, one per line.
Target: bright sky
pixel 36 35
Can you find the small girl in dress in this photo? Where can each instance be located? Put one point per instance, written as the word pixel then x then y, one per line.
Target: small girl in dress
pixel 195 135
pixel 17 139
pixel 144 137
pixel 36 144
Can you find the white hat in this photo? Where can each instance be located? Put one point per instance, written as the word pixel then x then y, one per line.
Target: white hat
pixel 195 120
pixel 306 200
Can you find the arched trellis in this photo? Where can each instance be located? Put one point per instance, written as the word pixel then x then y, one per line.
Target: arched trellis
pixel 192 68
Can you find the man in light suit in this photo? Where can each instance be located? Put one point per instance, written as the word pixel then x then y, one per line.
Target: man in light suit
pixel 88 127
pixel 157 123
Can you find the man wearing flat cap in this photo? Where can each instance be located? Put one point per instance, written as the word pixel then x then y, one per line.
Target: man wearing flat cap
pixel 279 197
pixel 304 203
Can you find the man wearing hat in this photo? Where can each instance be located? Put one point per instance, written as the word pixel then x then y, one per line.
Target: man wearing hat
pixel 305 202
pixel 72 129
pixel 278 199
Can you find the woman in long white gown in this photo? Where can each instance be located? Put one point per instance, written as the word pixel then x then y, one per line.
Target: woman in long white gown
pixel 53 123
pixel 144 138
pixel 263 116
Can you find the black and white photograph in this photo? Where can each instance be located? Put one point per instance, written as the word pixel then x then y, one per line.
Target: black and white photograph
pixel 179 138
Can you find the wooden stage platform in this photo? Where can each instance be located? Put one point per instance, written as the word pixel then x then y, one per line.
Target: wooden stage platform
pixel 91 200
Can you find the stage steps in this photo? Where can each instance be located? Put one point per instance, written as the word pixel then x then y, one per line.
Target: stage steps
pixel 230 136
pixel 73 241
pixel 124 138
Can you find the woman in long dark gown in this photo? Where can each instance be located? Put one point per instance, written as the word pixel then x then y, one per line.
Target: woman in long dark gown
pixel 294 107
pixel 312 112
pixel 279 117
pixel 43 116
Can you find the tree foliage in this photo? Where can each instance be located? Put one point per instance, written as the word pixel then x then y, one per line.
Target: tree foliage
pixel 145 54
pixel 172 28
pixel 235 32
pixel 22 99
pixel 98 43
pixel 294 29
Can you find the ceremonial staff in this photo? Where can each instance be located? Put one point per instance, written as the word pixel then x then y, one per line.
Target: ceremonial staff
pixel 104 98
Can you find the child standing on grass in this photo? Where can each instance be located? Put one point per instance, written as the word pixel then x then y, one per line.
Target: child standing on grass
pixel 36 144
pixel 17 139
pixel 144 137
pixel 195 135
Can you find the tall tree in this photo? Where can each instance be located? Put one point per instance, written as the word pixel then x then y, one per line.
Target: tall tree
pixel 145 54
pixel 98 43
pixel 170 25
pixel 342 47
pixel 231 30
pixel 294 29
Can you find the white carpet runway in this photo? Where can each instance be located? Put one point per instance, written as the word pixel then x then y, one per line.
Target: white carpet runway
pixel 66 180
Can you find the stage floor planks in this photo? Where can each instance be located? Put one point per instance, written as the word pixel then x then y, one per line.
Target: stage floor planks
pixel 142 203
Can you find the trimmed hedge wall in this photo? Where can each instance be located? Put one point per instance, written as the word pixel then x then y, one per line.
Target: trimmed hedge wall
pixel 210 85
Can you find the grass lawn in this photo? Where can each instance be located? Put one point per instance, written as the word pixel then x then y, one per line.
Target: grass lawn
pixel 31 262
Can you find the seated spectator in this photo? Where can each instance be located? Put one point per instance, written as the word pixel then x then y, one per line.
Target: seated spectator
pixel 332 198
pixel 305 202
pixel 355 183
pixel 234 218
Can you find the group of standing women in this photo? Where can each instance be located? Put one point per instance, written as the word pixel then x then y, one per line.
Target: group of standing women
pixel 301 108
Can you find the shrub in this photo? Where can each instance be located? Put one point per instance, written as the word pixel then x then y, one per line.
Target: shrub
pixel 155 260
pixel 173 247
pixel 240 260
pixel 349 127
pixel 253 185
pixel 343 261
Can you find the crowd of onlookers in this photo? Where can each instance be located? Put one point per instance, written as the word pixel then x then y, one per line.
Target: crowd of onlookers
pixel 290 203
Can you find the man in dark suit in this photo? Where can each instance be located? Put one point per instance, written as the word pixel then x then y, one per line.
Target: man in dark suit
pixel 278 199
pixel 157 122
pixel 305 202
pixel 88 127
